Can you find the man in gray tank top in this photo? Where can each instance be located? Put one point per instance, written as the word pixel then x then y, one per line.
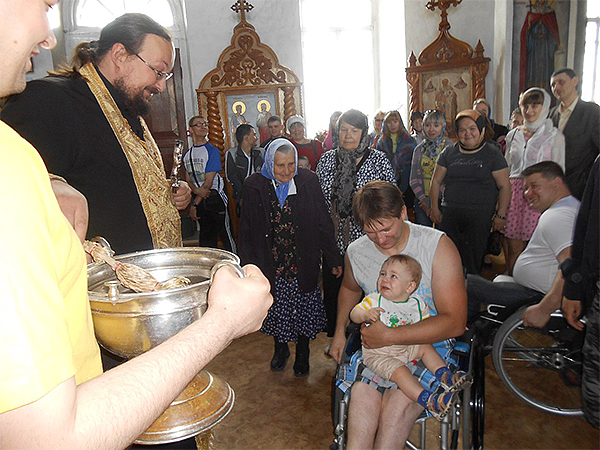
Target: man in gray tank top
pixel 384 421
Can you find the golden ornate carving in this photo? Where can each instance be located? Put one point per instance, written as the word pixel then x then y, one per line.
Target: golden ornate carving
pixel 246 66
pixel 215 128
pixel 247 62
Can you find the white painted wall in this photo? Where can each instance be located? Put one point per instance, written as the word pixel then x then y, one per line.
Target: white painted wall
pixel 501 63
pixel 210 26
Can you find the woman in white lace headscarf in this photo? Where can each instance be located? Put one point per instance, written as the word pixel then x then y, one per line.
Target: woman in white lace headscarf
pixel 535 141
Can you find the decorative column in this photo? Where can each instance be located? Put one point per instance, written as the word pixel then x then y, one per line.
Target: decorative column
pixel 215 128
pixel 289 105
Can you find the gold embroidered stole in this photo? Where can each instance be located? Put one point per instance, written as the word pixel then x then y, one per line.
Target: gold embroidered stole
pixel 146 166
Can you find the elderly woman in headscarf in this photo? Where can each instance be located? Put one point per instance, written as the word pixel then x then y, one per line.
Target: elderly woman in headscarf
pixel 535 141
pixel 284 227
pixel 342 171
pixel 423 163
pixel 398 145
pixel 477 190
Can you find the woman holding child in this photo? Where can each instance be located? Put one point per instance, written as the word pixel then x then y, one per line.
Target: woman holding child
pixel 283 229
pixel 396 304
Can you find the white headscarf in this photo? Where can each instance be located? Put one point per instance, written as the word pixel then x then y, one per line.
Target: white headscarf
pixel 533 126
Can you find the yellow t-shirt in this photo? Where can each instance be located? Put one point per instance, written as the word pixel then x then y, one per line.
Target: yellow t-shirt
pixel 427 165
pixel 46 330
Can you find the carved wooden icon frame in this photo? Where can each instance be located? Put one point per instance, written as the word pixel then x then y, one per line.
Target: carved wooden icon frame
pixel 248 72
pixel 448 76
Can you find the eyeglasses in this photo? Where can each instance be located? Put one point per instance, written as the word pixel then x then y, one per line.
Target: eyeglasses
pixel 200 124
pixel 159 74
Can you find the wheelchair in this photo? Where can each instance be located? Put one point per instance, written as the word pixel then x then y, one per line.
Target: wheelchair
pixel 348 370
pixel 541 367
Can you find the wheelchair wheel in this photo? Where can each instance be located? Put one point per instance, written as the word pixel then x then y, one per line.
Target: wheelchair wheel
pixel 542 367
pixel 477 398
pixel 473 398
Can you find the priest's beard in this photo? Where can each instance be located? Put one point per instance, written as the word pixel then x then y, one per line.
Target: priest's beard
pixel 134 101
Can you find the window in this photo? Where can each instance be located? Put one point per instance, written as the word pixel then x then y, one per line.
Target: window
pixel 338 56
pixel 590 86
pixel 354 57
pixel 97 13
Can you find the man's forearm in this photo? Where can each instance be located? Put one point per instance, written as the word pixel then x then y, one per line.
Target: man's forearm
pixel 133 395
pixel 553 299
pixel 113 409
pixel 110 411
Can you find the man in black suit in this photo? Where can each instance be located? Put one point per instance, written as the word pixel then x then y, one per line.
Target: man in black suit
pixel 580 123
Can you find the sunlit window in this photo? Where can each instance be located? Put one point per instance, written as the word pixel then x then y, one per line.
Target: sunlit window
pixel 338 56
pixel 97 13
pixel 590 89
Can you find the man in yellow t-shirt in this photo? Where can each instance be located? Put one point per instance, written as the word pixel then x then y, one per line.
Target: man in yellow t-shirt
pixel 47 332
pixel 52 392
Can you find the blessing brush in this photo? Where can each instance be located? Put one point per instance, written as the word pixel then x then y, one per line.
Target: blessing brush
pixel 131 276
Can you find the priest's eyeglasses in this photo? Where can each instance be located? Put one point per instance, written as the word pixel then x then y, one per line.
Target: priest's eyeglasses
pixel 159 74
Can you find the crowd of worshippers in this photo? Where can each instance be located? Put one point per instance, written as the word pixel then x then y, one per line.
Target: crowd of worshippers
pixel 471 189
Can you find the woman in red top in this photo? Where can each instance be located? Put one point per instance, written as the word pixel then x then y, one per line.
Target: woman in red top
pixel 310 148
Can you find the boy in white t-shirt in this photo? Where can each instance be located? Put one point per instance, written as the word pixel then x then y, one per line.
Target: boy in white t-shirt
pixel 393 305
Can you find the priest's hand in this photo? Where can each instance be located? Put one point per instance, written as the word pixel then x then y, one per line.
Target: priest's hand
pixel 182 196
pixel 72 204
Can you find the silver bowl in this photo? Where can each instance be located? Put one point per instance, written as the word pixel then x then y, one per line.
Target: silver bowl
pixel 129 323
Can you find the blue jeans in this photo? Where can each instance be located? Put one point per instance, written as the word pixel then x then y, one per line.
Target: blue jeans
pixel 420 215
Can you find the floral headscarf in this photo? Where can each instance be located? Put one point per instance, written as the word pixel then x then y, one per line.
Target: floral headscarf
pixel 282 189
pixel 431 146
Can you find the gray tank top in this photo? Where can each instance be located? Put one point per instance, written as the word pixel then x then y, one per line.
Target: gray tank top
pixel 366 260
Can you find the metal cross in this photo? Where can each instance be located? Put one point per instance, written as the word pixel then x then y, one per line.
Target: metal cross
pixel 242 6
pixel 443 5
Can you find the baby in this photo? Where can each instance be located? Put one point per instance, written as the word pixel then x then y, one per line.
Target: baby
pixel 393 305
